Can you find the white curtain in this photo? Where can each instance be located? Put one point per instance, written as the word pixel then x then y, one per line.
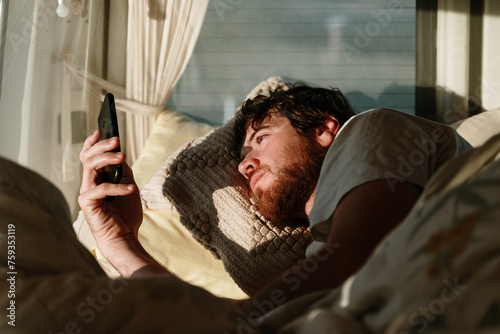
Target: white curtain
pixel 40 99
pixel 491 55
pixel 161 37
pixel 53 82
pixel 452 60
pixel 459 86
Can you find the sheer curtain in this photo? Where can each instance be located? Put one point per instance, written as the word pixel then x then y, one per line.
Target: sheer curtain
pixel 452 60
pixel 491 55
pixel 40 99
pixel 467 58
pixel 53 80
pixel 161 37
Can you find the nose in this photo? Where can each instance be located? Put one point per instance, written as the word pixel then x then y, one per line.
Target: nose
pixel 248 165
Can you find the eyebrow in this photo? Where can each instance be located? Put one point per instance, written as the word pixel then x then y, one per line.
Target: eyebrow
pixel 257 130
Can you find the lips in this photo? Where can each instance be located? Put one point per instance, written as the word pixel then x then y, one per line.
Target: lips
pixel 254 179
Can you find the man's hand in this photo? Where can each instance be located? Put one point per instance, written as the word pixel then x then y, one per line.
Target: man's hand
pixel 114 223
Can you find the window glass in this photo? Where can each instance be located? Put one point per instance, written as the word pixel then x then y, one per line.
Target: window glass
pixel 364 47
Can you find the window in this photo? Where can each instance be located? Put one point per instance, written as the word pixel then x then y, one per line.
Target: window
pixel 364 47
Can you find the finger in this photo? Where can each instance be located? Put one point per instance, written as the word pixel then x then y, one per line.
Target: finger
pixel 100 147
pixel 93 165
pixel 90 141
pixel 104 159
pixel 95 155
pixel 93 197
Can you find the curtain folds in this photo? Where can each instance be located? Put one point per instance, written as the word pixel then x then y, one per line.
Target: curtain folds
pixel 452 70
pixel 160 39
pixel 53 84
pixel 161 36
pixel 467 59
pixel 491 55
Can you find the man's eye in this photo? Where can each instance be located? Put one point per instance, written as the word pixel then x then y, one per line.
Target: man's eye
pixel 260 138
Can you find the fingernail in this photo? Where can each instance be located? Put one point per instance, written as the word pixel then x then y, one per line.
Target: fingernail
pixel 130 187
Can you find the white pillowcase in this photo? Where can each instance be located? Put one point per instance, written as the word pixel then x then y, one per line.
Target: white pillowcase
pixel 479 128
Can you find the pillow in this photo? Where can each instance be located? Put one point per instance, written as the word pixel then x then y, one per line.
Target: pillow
pixel 479 128
pixel 170 131
pixel 201 182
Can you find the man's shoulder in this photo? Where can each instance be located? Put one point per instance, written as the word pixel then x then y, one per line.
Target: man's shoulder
pixel 389 118
pixel 380 111
pixel 385 113
pixel 376 119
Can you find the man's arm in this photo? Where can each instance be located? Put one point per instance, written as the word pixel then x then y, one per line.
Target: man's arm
pixel 362 219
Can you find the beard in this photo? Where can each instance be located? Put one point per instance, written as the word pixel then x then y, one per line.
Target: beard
pixel 283 204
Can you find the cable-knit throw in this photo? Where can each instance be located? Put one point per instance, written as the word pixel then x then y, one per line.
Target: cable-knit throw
pixel 202 183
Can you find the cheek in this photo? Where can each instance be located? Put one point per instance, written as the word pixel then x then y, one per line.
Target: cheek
pixel 280 154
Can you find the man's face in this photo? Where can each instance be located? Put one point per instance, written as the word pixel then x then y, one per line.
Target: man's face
pixel 281 168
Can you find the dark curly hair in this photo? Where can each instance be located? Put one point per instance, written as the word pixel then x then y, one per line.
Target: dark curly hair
pixel 306 107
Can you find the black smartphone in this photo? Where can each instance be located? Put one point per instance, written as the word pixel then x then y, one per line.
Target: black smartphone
pixel 108 124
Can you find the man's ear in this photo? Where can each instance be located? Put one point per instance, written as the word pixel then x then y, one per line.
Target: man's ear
pixel 326 133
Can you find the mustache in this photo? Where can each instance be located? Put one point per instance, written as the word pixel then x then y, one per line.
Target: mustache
pixel 259 169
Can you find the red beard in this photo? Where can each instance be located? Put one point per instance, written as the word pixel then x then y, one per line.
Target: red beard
pixel 284 203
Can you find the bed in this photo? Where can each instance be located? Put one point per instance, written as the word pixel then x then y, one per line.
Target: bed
pixel 437 272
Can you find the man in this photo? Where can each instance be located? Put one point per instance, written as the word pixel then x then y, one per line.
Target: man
pixel 307 161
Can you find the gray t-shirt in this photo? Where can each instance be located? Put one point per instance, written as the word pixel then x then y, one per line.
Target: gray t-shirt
pixel 380 144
